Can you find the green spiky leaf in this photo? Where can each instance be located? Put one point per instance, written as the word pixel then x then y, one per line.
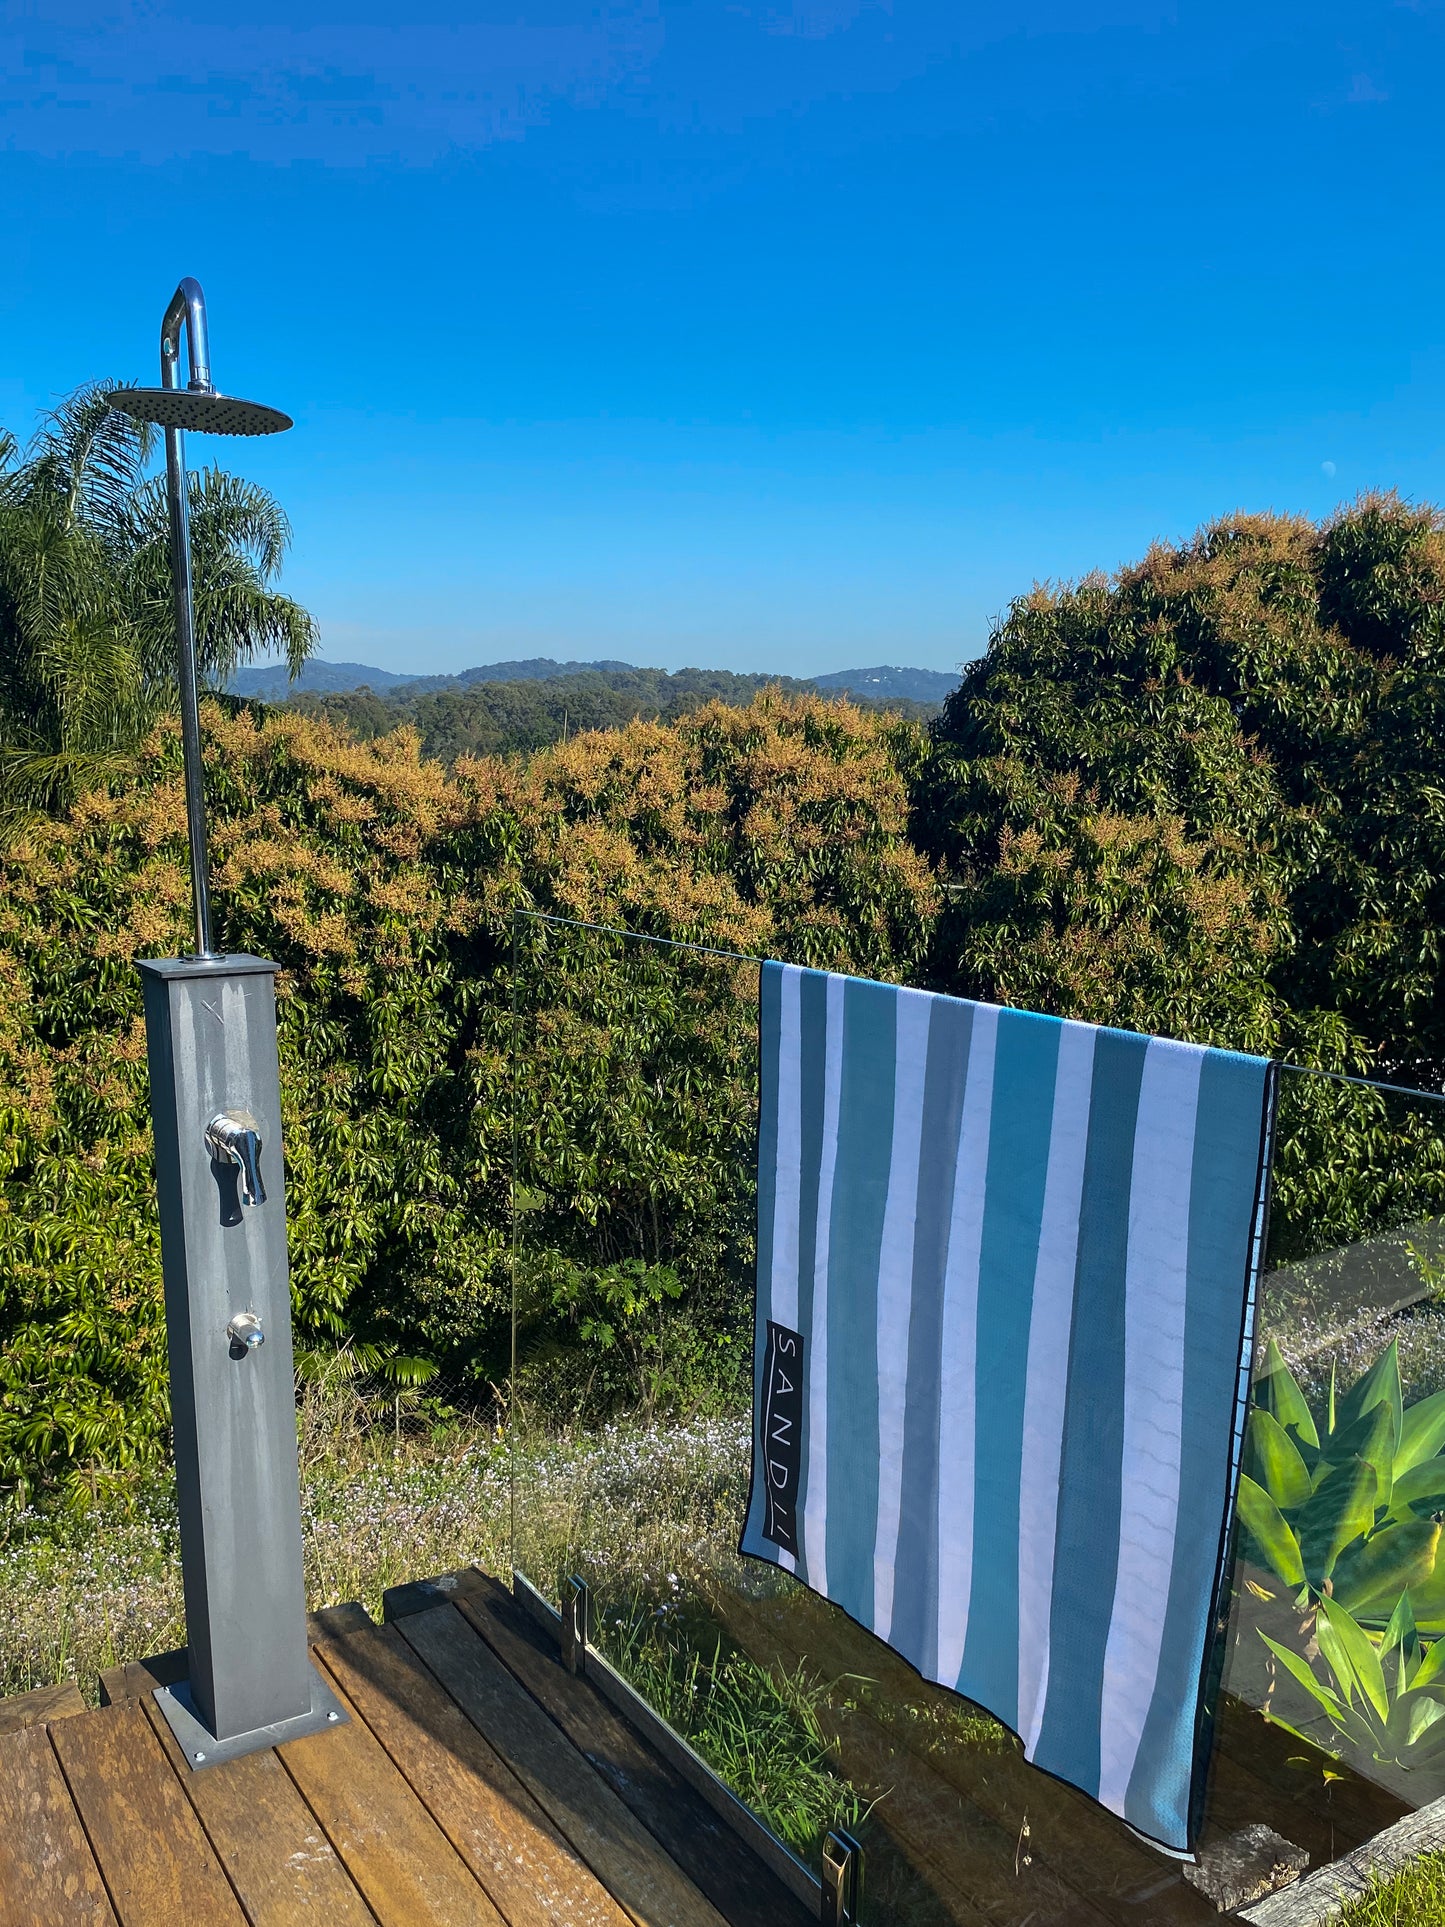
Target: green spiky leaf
pixel 1374 1572
pixel 1276 1391
pixel 1431 1666
pixel 1298 1670
pixel 1371 1436
pixel 1422 1433
pixel 1349 1651
pixel 1420 1490
pixel 1270 1531
pixel 1342 1509
pixel 1272 1459
pixel 1380 1385
pixel 1400 1629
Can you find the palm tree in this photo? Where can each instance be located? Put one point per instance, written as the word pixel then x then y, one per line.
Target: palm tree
pixel 87 630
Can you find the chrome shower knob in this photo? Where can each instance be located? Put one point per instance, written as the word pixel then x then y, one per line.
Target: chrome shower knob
pixel 244 1331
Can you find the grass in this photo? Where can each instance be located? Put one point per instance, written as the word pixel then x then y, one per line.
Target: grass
pixel 1413 1898
pixel 83 1590
pixel 759 1729
pixel 632 1506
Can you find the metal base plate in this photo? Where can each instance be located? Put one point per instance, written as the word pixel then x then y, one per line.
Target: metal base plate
pixel 203 1749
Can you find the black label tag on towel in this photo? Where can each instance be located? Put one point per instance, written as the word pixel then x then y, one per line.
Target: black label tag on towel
pixel 782 1434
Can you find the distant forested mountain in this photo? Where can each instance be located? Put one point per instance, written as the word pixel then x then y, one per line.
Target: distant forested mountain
pixel 510 715
pixel 929 686
pixel 271 683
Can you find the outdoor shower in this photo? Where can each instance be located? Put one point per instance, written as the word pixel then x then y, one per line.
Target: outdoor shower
pixel 216 1110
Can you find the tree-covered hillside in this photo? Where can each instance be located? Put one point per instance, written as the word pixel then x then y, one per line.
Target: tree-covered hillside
pixel 518 715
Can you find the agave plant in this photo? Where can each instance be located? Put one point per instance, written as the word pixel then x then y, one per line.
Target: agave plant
pixel 1348 1507
pixel 1386 1701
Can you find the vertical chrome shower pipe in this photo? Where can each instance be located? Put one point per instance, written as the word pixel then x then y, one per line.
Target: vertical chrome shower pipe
pixel 188 308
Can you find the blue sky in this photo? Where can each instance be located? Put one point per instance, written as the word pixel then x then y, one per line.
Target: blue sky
pixel 786 336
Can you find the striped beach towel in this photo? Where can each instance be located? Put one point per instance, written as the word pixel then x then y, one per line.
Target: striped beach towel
pixel 1006 1270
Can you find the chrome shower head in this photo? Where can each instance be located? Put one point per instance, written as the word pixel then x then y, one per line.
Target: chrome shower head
pixel 196 406
pixel 200 409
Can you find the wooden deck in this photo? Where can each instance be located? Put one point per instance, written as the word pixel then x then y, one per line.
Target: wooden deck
pixel 476 1783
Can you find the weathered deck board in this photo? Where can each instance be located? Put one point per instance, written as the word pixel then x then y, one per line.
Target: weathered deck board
pixel 45 1703
pixel 47 1871
pixel 533 1876
pixel 450 1796
pixel 409 1872
pixel 1321 1895
pixel 274 1852
pixel 626 1858
pixel 703 1844
pixel 159 1868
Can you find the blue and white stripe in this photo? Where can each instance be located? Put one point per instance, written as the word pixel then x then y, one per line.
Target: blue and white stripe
pixel 1021 1253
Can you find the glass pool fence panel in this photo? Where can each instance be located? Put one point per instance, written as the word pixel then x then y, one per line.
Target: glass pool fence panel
pixel 635 1162
pixel 1337 1613
pixel 634 1173
pixel 635 1166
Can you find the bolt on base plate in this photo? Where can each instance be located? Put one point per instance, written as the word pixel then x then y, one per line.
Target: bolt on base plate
pixel 203 1749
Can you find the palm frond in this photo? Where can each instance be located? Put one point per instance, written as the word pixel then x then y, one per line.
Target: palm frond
pixel 239 536
pixel 92 672
pixel 227 513
pixel 87 624
pixel 45 779
pixel 89 458
pixel 237 621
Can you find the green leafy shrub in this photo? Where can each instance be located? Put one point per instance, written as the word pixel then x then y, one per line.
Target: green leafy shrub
pixel 384 888
pixel 1386 1702
pixel 1346 1508
pixel 1204 796
pixel 1352 1163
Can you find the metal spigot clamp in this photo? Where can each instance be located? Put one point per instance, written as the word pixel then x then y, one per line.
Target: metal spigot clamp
pixel 842 1880
pixel 232 1137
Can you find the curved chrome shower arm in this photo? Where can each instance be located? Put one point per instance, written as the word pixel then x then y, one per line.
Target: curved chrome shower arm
pixel 187 307
pixel 200 407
